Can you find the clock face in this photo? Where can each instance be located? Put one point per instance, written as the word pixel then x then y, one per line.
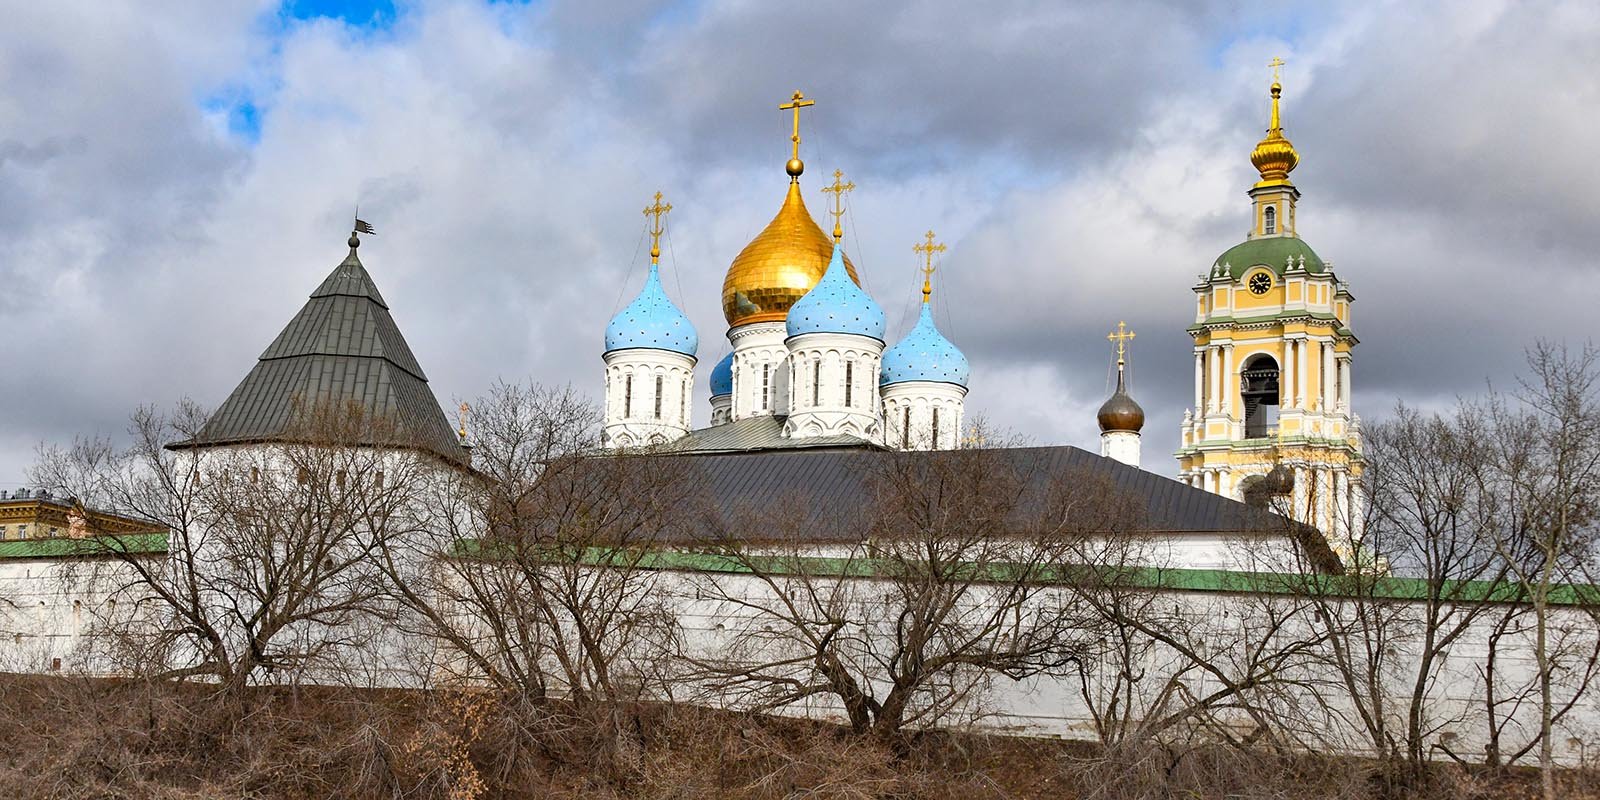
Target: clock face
pixel 1260 283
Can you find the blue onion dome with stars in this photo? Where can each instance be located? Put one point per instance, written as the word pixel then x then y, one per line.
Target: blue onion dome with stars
pixel 651 321
pixel 722 377
pixel 836 305
pixel 925 355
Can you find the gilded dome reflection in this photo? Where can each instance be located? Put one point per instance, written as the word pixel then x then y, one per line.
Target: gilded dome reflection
pixel 779 266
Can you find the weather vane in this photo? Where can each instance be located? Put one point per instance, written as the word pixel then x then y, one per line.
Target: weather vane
pixel 796 102
pixel 656 211
pixel 928 250
pixel 839 189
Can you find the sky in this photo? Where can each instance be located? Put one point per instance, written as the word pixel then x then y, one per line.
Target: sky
pixel 175 181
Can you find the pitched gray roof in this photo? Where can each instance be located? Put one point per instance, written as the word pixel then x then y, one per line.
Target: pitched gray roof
pixel 836 480
pixel 755 433
pixel 342 347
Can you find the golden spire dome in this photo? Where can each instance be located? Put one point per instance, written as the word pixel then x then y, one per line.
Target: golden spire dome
pixel 1275 156
pixel 786 259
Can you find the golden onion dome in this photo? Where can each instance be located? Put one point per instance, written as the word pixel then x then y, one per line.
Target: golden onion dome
pixel 779 266
pixel 1274 156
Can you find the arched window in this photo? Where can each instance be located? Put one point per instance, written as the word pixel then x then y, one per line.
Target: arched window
pixel 627 397
pixel 766 386
pixel 905 428
pixel 658 397
pixel 816 383
pixel 1269 222
pixel 849 381
pixel 1259 391
pixel 935 442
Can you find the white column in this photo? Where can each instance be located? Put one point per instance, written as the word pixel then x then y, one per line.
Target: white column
pixel 1301 358
pixel 1229 380
pixel 1213 361
pixel 1344 385
pixel 1199 382
pixel 1286 377
pixel 1327 378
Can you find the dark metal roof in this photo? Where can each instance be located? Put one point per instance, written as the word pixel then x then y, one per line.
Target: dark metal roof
pixel 755 433
pixel 830 481
pixel 342 347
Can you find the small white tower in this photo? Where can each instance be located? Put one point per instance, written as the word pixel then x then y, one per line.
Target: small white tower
pixel 1120 418
pixel 924 381
pixel 835 349
pixel 722 391
pixel 650 360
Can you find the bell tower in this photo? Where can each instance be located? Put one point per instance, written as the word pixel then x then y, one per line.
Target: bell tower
pixel 1272 362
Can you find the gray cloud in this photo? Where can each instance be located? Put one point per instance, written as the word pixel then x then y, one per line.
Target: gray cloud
pixel 1084 163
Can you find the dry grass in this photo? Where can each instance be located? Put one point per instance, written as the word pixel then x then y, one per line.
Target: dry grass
pixel 73 738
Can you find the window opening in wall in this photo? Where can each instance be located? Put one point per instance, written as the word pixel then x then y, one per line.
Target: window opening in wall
pixel 935 442
pixel 377 479
pixel 766 386
pixel 658 397
pixel 627 396
pixel 683 403
pixel 1270 223
pixel 905 428
pixel 849 382
pixel 1258 388
pixel 1338 383
pixel 816 383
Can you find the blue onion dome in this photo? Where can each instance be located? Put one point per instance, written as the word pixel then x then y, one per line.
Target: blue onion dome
pixel 652 321
pixel 722 377
pixel 925 355
pixel 836 305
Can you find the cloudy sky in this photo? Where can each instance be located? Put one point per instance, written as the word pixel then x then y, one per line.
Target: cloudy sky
pixel 173 183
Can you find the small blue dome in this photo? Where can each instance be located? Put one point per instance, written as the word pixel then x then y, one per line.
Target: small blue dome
pixel 924 355
pixel 652 321
pixel 722 377
pixel 836 305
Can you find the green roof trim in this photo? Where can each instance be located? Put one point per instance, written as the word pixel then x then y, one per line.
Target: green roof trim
pixel 1270 252
pixel 130 544
pixel 1152 578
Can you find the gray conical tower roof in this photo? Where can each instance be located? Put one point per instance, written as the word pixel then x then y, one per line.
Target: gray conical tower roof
pixel 343 347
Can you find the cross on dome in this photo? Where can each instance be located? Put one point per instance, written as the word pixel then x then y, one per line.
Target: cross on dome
pixel 656 212
pixel 928 250
pixel 796 102
pixel 838 190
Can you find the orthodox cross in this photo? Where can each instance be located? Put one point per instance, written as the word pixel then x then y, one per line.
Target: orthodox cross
pixel 461 421
pixel 838 190
pixel 1275 64
pixel 656 211
pixel 927 251
pixel 797 102
pixel 1121 336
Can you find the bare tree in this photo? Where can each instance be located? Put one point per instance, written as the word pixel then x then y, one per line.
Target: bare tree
pixel 539 578
pixel 267 572
pixel 902 611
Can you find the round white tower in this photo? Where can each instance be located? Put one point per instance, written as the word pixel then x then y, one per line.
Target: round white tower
pixel 650 360
pixel 924 380
pixel 835 348
pixel 1120 417
pixel 722 391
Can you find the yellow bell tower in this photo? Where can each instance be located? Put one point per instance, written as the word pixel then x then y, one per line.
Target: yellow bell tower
pixel 1272 358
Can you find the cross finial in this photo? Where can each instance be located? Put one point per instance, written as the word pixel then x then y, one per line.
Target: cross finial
pixel 927 250
pixel 461 421
pixel 1121 336
pixel 796 102
pixel 1276 63
pixel 838 190
pixel 656 211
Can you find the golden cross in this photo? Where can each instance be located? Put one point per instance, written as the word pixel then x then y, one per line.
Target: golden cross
pixel 797 102
pixel 838 190
pixel 927 251
pixel 461 421
pixel 1121 336
pixel 657 211
pixel 1275 64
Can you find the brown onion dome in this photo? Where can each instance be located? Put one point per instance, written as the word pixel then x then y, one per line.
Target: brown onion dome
pixel 1120 413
